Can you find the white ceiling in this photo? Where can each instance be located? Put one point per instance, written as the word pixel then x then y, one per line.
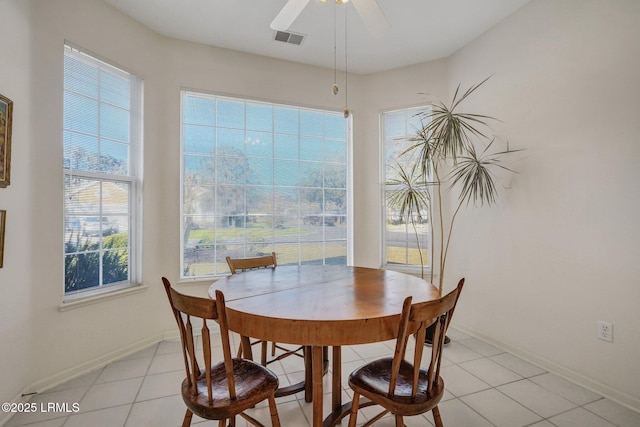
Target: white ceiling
pixel 420 30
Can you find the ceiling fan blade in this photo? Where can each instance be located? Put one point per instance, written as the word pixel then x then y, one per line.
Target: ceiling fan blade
pixel 372 16
pixel 288 14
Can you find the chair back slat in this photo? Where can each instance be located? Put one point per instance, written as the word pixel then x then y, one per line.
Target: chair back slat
pixel 436 359
pixel 226 345
pixel 206 347
pixel 417 358
pixel 191 351
pixel 401 344
pixel 243 264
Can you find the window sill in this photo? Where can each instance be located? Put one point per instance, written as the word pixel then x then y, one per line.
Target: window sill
pixel 414 271
pixel 107 296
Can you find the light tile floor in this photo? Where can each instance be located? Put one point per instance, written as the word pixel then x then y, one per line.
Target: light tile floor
pixel 485 386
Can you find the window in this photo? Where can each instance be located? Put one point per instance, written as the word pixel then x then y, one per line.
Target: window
pixel 260 177
pixel 405 239
pixel 102 141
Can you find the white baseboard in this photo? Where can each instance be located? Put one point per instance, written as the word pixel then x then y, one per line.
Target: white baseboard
pixel 54 380
pixel 630 402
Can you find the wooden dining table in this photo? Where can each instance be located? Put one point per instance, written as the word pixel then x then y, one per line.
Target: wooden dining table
pixel 319 307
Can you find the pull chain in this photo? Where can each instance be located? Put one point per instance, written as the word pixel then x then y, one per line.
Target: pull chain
pixel 346 68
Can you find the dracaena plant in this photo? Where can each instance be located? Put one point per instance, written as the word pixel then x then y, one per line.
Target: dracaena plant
pixel 454 149
pixel 409 194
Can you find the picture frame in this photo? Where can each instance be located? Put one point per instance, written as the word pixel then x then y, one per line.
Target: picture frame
pixel 6 116
pixel 3 220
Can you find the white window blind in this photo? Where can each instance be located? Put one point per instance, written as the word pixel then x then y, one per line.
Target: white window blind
pixel 102 140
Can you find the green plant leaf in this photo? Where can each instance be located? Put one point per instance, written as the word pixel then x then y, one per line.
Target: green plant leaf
pixel 409 192
pixel 449 133
pixel 473 172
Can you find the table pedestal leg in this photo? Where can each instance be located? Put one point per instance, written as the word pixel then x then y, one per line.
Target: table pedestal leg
pixel 336 380
pixel 317 385
pixel 338 410
pixel 308 376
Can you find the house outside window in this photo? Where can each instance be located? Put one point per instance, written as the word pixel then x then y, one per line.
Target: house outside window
pixel 259 177
pixel 403 243
pixel 102 144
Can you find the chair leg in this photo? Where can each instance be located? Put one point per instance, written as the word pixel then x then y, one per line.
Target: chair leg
pixel 263 354
pixel 186 422
pixel 354 410
pixel 222 423
pixel 436 417
pixel 273 410
pixel 399 421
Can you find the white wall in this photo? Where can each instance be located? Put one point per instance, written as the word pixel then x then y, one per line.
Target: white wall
pixel 543 266
pixel 560 252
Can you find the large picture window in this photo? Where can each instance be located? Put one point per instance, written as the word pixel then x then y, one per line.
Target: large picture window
pixel 102 140
pixel 259 177
pixel 406 239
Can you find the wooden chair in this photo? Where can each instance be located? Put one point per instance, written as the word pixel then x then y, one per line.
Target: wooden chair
pixel 401 387
pixel 237 265
pixel 221 390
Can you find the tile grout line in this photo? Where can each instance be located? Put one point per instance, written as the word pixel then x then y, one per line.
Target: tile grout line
pixel 135 398
pixel 362 358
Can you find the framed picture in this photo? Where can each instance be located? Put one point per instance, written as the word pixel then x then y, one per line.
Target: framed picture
pixel 3 217
pixel 6 112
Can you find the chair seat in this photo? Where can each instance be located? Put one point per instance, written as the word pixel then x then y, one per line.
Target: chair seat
pixel 254 383
pixel 372 381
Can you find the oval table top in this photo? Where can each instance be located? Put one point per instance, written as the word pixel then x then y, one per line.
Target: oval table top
pixel 319 305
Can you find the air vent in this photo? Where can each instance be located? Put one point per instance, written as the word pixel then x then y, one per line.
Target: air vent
pixel 286 37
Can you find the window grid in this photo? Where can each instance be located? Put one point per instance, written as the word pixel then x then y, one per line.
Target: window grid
pixel 269 185
pixel 400 248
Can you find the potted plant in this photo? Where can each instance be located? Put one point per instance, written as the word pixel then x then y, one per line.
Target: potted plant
pixel 454 149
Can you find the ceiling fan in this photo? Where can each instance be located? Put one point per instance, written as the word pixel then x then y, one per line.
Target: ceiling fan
pixel 368 10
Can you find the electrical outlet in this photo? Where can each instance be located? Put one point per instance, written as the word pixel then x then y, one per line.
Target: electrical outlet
pixel 605 331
